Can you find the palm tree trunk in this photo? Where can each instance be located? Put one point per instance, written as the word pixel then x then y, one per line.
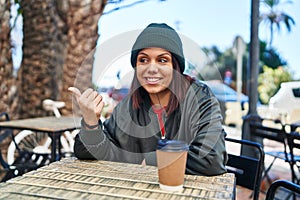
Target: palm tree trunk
pixel 82 22
pixel 59 40
pixel 7 81
pixel 43 56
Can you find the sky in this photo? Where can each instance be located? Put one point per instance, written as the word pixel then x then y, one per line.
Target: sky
pixel 207 23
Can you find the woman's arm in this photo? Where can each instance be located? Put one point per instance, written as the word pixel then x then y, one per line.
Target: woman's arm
pixel 207 154
pixel 105 143
pixel 92 141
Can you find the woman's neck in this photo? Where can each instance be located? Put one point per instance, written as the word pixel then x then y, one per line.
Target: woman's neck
pixel 160 99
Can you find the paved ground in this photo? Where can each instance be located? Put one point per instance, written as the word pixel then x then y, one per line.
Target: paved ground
pixel 280 169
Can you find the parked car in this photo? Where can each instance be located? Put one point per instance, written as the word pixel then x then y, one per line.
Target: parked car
pixel 286 102
pixel 233 107
pixel 225 93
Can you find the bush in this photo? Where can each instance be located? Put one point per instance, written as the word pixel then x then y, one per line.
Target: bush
pixel 269 82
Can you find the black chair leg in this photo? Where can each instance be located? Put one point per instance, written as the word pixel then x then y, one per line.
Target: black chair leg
pixel 266 171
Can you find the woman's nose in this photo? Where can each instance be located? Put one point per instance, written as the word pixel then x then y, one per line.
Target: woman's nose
pixel 153 67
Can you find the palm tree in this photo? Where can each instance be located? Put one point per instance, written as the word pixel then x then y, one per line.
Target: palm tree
pixel 275 17
pixel 58 36
pixel 58 47
pixel 82 35
pixel 43 52
pixel 7 82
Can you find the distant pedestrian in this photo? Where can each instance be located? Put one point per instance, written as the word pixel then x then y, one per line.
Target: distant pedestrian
pixel 228 77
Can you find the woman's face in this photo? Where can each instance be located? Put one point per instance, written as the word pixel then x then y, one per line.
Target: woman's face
pixel 154 69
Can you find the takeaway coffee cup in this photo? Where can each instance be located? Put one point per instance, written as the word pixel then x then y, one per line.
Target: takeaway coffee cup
pixel 171 162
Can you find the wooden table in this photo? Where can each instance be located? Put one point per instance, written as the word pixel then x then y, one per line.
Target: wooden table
pixel 52 125
pixel 76 179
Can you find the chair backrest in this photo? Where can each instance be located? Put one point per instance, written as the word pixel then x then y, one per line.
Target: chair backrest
pixel 248 170
pixel 275 134
pixel 294 143
pixel 284 184
pixel 265 132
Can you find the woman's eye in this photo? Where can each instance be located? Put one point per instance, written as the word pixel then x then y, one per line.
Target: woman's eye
pixel 143 60
pixel 163 60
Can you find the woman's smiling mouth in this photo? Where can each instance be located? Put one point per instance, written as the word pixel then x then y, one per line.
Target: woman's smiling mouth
pixel 152 80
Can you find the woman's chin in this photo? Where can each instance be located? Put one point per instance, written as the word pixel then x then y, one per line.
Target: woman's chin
pixel 155 90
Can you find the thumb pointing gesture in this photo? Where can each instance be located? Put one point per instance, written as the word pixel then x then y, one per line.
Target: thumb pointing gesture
pixel 75 91
pixel 90 104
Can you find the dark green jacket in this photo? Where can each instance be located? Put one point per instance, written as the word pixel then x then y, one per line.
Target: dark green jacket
pixel 132 135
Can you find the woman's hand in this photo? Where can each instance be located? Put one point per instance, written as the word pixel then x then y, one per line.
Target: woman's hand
pixel 90 104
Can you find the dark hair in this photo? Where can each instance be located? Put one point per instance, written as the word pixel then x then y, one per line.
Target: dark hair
pixel 178 87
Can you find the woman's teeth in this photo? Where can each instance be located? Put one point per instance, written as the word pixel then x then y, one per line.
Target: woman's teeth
pixel 152 79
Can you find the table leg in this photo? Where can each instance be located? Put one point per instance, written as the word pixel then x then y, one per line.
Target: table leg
pixel 55 146
pixel 59 146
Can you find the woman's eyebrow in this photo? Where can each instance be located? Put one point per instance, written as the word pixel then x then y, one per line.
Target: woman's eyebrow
pixel 142 53
pixel 168 54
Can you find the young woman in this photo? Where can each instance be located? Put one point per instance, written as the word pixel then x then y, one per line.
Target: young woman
pixel 163 103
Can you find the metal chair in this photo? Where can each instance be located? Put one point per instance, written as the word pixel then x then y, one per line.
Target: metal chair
pixel 25 161
pixel 294 144
pixel 248 170
pixel 287 185
pixel 40 142
pixel 289 140
pixel 279 136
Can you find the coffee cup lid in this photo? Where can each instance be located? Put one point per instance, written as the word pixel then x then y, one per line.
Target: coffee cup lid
pixel 172 145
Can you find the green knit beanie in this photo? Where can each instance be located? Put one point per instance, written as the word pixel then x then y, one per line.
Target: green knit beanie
pixel 161 36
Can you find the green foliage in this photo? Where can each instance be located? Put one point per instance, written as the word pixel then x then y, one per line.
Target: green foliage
pixel 270 56
pixel 227 61
pixel 222 60
pixel 269 82
pixel 272 59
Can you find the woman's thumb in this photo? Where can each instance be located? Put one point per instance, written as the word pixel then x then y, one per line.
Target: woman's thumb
pixel 75 91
